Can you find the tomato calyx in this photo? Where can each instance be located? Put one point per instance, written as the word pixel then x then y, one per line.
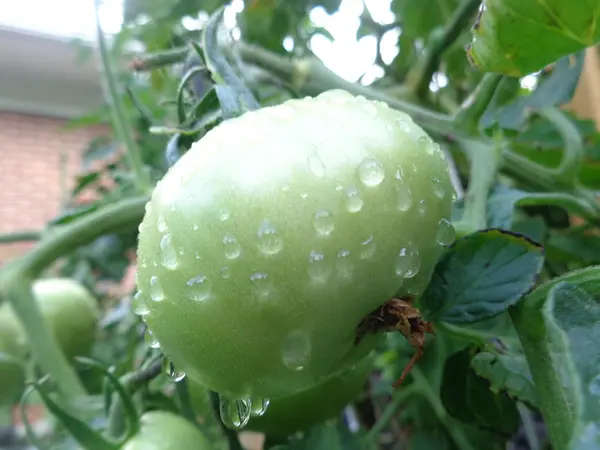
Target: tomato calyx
pixel 398 314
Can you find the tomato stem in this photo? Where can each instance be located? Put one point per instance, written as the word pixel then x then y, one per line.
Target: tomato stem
pixel 473 109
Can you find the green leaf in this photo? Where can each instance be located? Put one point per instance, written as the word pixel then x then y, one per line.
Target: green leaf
pixel 553 90
pixel 577 314
pixel 481 275
pixel 420 18
pixel 506 373
pixel 467 397
pixel 517 37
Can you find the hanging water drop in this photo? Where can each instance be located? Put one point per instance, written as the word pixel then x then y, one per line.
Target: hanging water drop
pixel 319 269
pixel 408 262
pixel 138 304
pixel 199 288
pixel 315 164
pixel 323 222
pixel 445 233
pixel 169 370
pixel 296 350
pixel 270 241
pixel 258 406
pixel 232 247
pixel 353 200
pixel 370 172
pixel 156 291
pixel 234 413
pixel 150 339
pixel 168 256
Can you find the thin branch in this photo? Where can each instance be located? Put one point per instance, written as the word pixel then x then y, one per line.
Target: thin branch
pixel 421 77
pixel 20 236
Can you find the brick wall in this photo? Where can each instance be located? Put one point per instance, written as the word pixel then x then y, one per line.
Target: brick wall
pixel 30 171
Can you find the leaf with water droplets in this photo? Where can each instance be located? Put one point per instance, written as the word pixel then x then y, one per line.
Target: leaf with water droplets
pixel 481 275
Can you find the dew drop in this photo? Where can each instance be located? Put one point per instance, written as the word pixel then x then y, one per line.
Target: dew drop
pixel 169 369
pixel 319 268
pixel 344 264
pixel 323 222
pixel 296 350
pixel 339 187
pixel 270 241
pixel 594 386
pixel 199 288
pixel 370 172
pixel 304 195
pixel 234 413
pixel 150 339
pixel 225 272
pixel 258 406
pixel 156 291
pixel 316 165
pixel 138 304
pixel 261 284
pixel 168 256
pixel 403 197
pixel 408 262
pixel 422 207
pixel 197 255
pixel 161 224
pixel 233 249
pixel 353 200
pixel 445 233
pixel 368 248
pixel 223 214
pixel 285 187
pixel 438 189
pixel 195 227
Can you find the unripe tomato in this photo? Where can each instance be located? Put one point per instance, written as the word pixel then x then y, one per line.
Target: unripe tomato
pixel 269 241
pixel 70 311
pixel 163 430
pixel 13 350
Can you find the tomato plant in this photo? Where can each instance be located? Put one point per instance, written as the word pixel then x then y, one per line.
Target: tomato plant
pixel 286 218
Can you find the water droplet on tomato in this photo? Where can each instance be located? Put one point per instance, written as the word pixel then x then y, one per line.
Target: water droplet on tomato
pixel 261 284
pixel 445 233
pixel 368 248
pixel 403 126
pixel 353 200
pixel 339 187
pixel 404 198
pixel 169 369
pixel 223 214
pixel 270 241
pixel 304 195
pixel 323 222
pixel 195 227
pixel 161 224
pixel 296 350
pixel 422 207
pixel 438 189
pixel 258 406
pixel 233 249
pixel 234 413
pixel 370 172
pixel 150 339
pixel 138 304
pixel 225 272
pixel 199 288
pixel 319 268
pixel 283 111
pixel 285 187
pixel 156 291
pixel 344 264
pixel 168 256
pixel 408 262
pixel 315 164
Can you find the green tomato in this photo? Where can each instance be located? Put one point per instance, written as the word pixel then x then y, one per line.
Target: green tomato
pixel 163 430
pixel 268 242
pixel 70 311
pixel 13 350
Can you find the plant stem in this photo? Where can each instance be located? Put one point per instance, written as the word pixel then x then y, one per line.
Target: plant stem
pixel 398 398
pixel 474 107
pixel 20 236
pixel 420 77
pixel 559 414
pixel 459 438
pixel 42 342
pixel 118 114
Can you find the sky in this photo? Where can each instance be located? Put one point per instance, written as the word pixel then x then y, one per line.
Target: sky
pixel 346 56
